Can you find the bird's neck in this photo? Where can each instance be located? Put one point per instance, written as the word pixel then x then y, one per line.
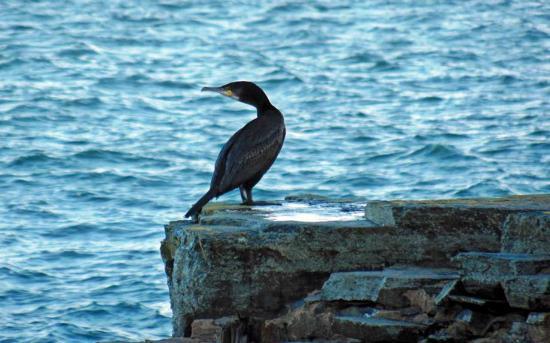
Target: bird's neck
pixel 266 108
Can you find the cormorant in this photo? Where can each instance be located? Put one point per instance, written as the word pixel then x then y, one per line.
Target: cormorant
pixel 251 151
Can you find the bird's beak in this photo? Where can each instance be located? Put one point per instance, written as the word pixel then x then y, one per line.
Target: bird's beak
pixel 221 90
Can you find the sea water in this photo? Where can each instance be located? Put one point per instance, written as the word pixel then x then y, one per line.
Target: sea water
pixel 105 135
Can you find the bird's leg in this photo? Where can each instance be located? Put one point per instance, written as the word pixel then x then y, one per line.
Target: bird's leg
pixel 249 200
pixel 243 194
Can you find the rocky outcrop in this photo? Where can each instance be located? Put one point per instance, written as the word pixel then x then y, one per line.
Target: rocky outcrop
pixel 344 271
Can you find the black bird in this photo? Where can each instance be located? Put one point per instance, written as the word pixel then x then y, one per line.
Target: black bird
pixel 251 151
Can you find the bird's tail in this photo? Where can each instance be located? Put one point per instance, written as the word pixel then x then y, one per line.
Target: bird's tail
pixel 196 209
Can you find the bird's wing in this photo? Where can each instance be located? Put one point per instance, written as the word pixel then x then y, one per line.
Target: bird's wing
pixel 219 168
pixel 250 151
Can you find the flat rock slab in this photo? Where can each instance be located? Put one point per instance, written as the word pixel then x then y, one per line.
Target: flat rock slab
pixel 539 318
pixel 386 287
pixel 527 233
pixel 239 261
pixel 479 223
pixel 485 273
pixel 463 299
pixel 480 214
pixel 377 329
pixel 254 261
pixel 528 292
pixel 501 265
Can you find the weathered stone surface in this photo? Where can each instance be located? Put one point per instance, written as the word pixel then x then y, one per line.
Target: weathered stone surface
pixel 257 268
pixel 539 326
pixel 499 264
pixel 377 329
pixel 170 340
pixel 528 292
pixel 539 334
pixel 507 333
pixel 308 321
pixel 475 322
pixel 427 301
pixel 539 318
pixel 336 339
pixel 483 273
pixel 255 262
pixel 222 330
pixel 479 222
pixel 206 330
pixel 380 212
pixel 475 301
pixel 479 215
pixel 527 233
pixel 240 261
pixel 408 314
pixel 440 336
pixel 386 287
pixel 421 299
pixel 352 286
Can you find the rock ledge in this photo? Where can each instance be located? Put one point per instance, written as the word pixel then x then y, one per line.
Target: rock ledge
pixel 315 269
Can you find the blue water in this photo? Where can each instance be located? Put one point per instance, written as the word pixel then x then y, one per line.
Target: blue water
pixel 105 136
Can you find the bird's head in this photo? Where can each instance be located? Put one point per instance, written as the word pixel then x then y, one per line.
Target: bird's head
pixel 243 91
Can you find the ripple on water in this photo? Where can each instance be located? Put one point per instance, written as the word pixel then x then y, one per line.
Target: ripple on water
pixel 173 84
pixel 540 133
pixel 88 196
pixel 56 256
pixel 440 152
pixel 85 102
pixel 79 231
pixel 489 187
pixel 79 49
pixel 103 154
pixel 362 57
pixel 431 99
pixel 24 275
pixel 33 160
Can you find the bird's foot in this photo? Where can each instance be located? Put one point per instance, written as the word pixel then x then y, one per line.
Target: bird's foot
pixel 261 203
